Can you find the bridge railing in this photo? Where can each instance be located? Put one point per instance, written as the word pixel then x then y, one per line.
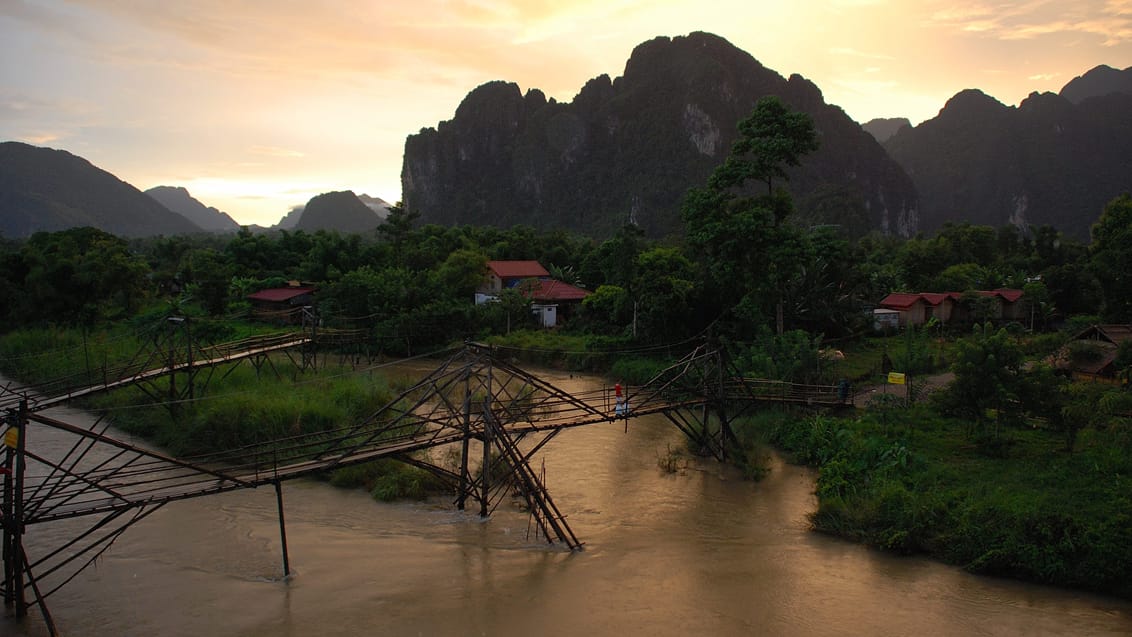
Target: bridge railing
pixel 782 391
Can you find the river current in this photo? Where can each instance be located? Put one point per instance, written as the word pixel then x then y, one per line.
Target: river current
pixel 699 551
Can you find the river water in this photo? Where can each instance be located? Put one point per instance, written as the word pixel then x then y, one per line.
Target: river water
pixel 699 551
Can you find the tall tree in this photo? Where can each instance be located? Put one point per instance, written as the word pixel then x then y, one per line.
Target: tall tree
pixel 1111 255
pixel 749 251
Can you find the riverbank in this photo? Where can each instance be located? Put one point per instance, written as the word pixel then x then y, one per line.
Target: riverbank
pixel 909 481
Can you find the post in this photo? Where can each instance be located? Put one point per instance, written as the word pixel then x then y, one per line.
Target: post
pixel 17 541
pixel 485 469
pixel 9 515
pixel 282 528
pixel 467 426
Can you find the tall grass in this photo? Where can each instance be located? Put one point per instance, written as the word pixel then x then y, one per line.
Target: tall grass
pixel 919 486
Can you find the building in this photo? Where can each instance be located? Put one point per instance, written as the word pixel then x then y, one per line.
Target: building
pixel 1091 354
pixel 502 275
pixel 952 307
pixel 551 300
pixel 281 304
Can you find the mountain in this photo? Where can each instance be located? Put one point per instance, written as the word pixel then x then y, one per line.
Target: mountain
pixel 1048 161
pixel 882 129
pixel 379 206
pixel 48 189
pixel 628 149
pixel 1100 81
pixel 181 202
pixel 342 211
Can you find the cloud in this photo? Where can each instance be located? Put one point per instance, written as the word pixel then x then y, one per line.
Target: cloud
pixel 1111 21
pixel 274 151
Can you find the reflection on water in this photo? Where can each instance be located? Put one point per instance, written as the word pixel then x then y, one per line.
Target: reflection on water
pixel 698 552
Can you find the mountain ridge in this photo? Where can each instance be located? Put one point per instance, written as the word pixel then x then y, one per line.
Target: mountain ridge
pixel 628 149
pixel 44 189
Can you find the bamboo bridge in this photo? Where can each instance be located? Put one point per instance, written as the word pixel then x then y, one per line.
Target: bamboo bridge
pixel 496 414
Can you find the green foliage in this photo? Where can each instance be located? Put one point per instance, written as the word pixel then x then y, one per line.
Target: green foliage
pixel 1111 256
pixel 988 379
pixel 1039 514
pixel 750 253
pixel 792 357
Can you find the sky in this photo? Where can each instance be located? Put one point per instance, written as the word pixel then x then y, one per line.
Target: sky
pixel 255 106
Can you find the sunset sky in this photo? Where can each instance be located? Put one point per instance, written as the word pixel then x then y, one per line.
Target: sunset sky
pixel 258 105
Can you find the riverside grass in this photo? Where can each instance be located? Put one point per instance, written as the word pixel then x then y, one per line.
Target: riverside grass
pixel 917 484
pixel 239 407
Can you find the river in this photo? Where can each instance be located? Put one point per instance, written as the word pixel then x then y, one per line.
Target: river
pixel 699 551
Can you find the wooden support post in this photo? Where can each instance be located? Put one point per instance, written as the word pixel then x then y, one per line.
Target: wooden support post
pixel 9 517
pixel 485 471
pixel 282 528
pixel 464 444
pixel 17 522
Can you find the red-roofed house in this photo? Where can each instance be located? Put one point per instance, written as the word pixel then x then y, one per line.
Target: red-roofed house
pixel 919 308
pixel 276 302
pixel 507 274
pixel 552 301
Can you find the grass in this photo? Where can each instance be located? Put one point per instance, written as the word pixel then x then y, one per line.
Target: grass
pixel 919 485
pixel 237 407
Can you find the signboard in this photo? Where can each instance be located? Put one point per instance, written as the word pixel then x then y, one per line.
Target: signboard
pixel 12 437
pixel 895 378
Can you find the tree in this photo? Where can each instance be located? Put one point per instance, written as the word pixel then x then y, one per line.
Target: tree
pixel 749 251
pixel 1111 258
pixel 663 288
pixel 988 373
pixel 80 275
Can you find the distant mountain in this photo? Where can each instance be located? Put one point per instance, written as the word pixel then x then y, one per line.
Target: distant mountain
pixel 1046 162
pixel 181 202
pixel 291 219
pixel 1100 81
pixel 47 189
pixel 882 128
pixel 379 206
pixel 342 211
pixel 629 149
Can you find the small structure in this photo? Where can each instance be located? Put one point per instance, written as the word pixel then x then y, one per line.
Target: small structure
pixel 1091 354
pixel 552 301
pixel 502 275
pixel 948 307
pixel 280 303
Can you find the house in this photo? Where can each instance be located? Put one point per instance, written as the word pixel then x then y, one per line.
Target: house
pixel 551 300
pixel 951 307
pixel 1091 354
pixel 281 303
pixel 502 275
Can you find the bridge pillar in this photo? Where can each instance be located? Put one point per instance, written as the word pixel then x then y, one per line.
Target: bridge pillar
pixel 465 442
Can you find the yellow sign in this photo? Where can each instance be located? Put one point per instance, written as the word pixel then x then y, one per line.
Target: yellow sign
pixel 895 378
pixel 12 437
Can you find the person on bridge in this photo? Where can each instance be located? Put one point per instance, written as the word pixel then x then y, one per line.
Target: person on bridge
pixel 621 407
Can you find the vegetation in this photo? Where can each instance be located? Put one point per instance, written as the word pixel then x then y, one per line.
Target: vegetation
pixel 921 486
pixel 1013 469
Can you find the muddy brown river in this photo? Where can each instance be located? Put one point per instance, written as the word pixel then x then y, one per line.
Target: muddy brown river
pixel 698 552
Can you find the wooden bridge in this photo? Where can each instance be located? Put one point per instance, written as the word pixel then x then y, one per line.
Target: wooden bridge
pixel 495 413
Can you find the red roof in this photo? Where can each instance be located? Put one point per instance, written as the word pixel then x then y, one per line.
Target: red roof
pixel 279 295
pixel 517 269
pixel 903 301
pixel 1007 294
pixel 551 290
pixel 899 301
